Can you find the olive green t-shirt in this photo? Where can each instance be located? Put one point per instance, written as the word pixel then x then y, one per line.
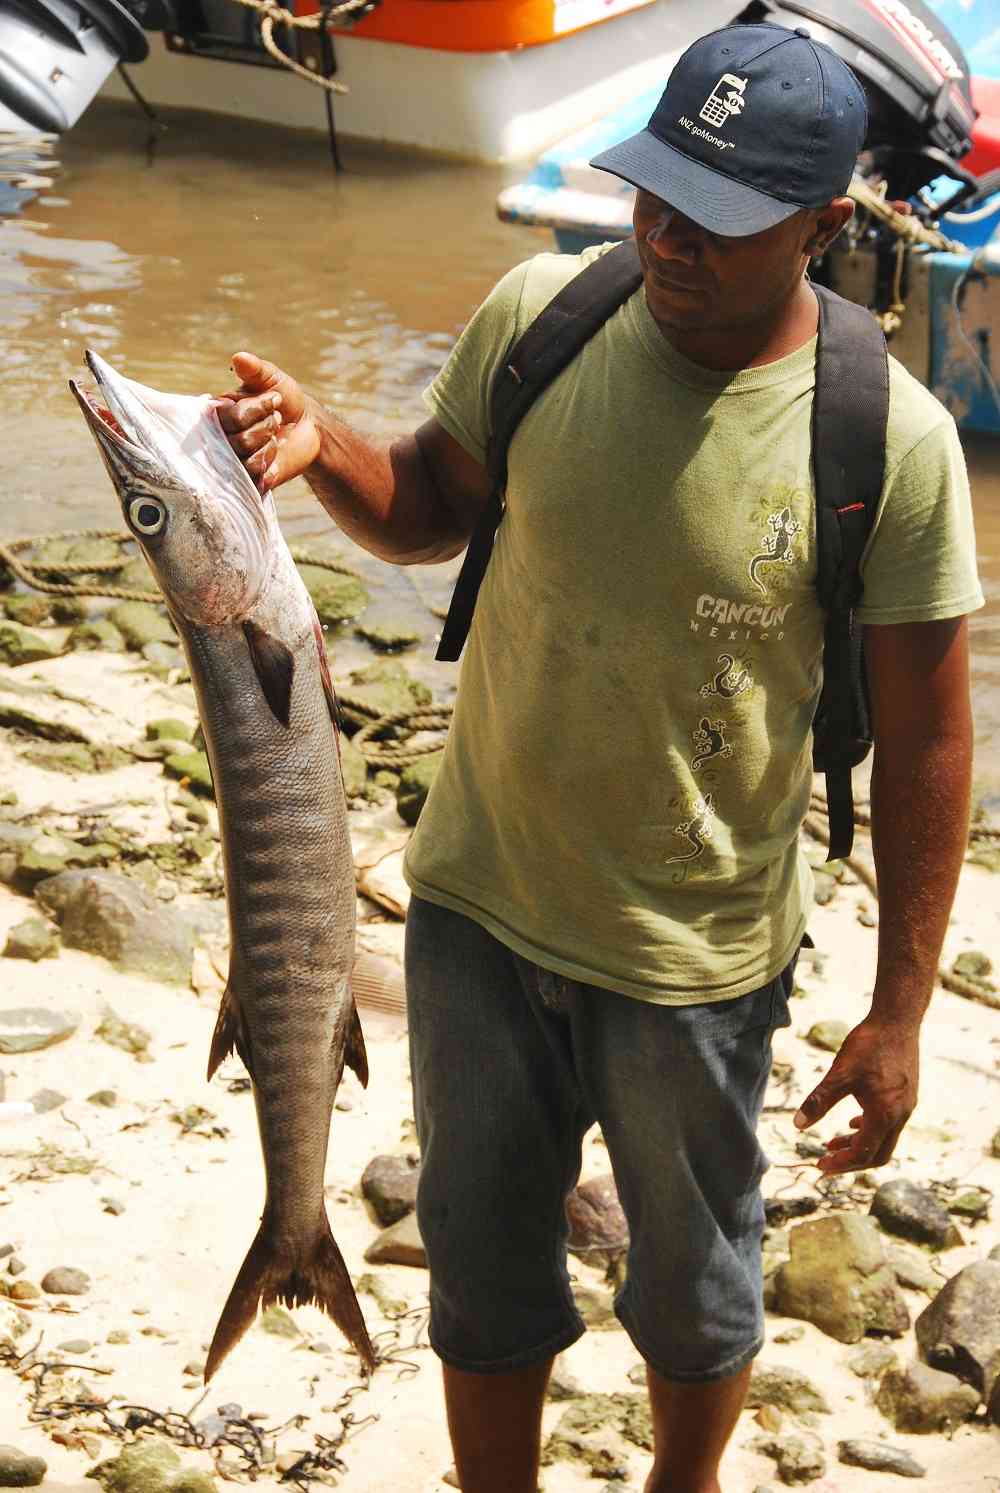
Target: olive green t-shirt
pixel 630 758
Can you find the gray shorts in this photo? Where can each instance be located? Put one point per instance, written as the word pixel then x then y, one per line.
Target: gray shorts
pixel 511 1065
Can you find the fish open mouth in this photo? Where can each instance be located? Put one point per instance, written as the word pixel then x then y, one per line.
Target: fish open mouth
pixel 105 420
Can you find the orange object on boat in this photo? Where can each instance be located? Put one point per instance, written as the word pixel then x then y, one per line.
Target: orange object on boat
pixel 478 25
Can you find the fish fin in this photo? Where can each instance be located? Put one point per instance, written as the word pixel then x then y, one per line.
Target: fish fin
pixel 332 703
pixel 355 1053
pixel 318 1279
pixel 228 1035
pixel 274 664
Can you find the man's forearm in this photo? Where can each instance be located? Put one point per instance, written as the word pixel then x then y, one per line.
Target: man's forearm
pixel 382 496
pixel 920 821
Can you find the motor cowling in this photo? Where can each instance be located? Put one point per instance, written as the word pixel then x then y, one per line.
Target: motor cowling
pixel 55 54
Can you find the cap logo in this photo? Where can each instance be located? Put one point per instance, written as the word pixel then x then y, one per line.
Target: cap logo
pixel 725 100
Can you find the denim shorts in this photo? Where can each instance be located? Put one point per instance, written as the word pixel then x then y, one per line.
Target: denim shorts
pixel 511 1065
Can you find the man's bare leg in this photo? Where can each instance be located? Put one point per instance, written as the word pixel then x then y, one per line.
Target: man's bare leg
pixel 495 1421
pixel 691 1425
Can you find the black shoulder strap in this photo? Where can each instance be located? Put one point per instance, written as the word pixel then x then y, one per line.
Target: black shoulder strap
pixel 850 414
pixel 549 344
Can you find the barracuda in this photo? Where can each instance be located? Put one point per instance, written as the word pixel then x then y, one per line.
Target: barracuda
pixel 268 711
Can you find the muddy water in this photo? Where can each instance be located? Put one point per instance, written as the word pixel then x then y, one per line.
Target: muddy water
pixel 168 252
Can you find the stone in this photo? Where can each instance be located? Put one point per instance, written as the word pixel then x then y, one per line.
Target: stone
pixel 337 598
pixel 279 1323
pixel 19 645
pixel 388 688
pixel 19 1469
pixel 99 635
pixel 129 1036
pixel 400 1244
pixel 913 1212
pixel 959 1331
pixel 168 728
pixel 30 608
pixel 193 769
pixel 389 1184
pixel 114 1206
pixel 914 1270
pixel 562 1384
pixel 75 1345
pixel 50 554
pixel 103 1098
pixel 13 1323
pixel 787 1388
pixel 137 576
pixel 150 1466
pixel 353 767
pixel 389 1305
pixel 75 757
pixel 43 856
pixel 598 1231
pixel 106 913
pixel 15 1266
pixel 414 786
pixel 24 1290
pixel 140 622
pixel 32 939
pixel 793 1334
pixel 387 637
pixel 29 1028
pixel 973 1204
pixel 871 1361
pixel 837 1278
pixel 117 1336
pixel 66 1280
pixel 828 1035
pixel 994 1148
pixel 45 1100
pixel 596 1308
pixel 42 723
pixel 162 659
pixel 922 1400
pixel 877 1457
pixel 799 1459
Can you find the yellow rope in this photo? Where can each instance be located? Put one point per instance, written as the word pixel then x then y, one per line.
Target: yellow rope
pixel 272 14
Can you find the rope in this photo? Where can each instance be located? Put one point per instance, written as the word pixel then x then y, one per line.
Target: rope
pixel 271 15
pixel 408 720
pixel 906 226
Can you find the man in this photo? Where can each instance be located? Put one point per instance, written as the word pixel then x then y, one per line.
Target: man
pixel 608 891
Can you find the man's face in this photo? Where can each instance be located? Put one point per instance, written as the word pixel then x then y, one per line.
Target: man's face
pixel 701 281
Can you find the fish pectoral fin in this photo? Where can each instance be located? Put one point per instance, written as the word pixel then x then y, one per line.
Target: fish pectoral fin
pixel 355 1053
pixel 229 1035
pixel 274 664
pixel 318 1277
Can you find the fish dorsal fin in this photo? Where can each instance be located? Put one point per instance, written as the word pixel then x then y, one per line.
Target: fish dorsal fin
pixel 355 1052
pixel 332 703
pixel 274 664
pixel 229 1035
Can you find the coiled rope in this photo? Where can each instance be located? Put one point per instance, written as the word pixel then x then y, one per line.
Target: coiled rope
pixel 271 15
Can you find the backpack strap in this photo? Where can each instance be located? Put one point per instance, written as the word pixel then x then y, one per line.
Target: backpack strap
pixel 548 345
pixel 850 414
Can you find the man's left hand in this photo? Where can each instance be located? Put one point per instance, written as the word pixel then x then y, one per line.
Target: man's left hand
pixel 879 1065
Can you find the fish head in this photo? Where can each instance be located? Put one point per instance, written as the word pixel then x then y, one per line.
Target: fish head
pixel 209 536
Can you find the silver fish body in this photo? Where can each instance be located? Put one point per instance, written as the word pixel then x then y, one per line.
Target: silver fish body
pixel 266 704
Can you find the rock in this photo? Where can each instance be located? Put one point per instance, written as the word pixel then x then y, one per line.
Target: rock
pixel 13 1323
pixel 46 855
pixel 914 1270
pixel 25 1290
pixel 793 1334
pixel 389 1305
pixel 787 1388
pixel 44 1100
pixel 98 635
pixel 76 757
pixel 103 1098
pixel 43 723
pixel 75 1345
pixel 922 1400
pixel 137 576
pixel 114 1206
pixel 193 769
pixel 995 1145
pixel 168 728
pixel 85 550
pixel 337 598
pixel 799 1459
pixel 837 1278
pixel 30 608
pixel 877 1457
pixel 388 688
pixel 20 1470
pixel 387 637
pixel 140 622
pixel 828 1035
pixel 195 1367
pixel 973 1204
pixel 871 1361
pixel 279 1323
pixel 15 1266
pixel 117 1336
pixel 66 1280
pixel 353 767
pixel 903 1208
pixel 562 1385
pixel 596 1308
pixel 19 645
pixel 28 1028
pixel 782 1210
pixel 400 1244
pixel 128 1035
pixel 414 786
pixel 598 1231
pixel 150 1466
pixel 769 1418
pixel 32 939
pixel 389 1184
pixel 112 915
pixel 960 1331
pixel 973 965
pixel 163 660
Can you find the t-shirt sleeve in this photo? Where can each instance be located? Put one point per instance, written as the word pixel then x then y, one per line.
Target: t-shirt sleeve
pixel 920 563
pixel 459 397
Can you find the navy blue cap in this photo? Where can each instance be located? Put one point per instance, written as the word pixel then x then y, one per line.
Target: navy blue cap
pixel 755 123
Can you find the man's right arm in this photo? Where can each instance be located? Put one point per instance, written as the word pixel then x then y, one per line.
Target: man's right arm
pixel 415 501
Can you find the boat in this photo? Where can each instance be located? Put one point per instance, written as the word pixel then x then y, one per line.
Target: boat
pixel 936 285
pixel 480 80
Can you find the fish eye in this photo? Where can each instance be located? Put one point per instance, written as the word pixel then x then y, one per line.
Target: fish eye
pixel 147 515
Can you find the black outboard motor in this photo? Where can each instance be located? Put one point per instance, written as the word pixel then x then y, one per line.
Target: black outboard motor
pixel 55 54
pixel 915 77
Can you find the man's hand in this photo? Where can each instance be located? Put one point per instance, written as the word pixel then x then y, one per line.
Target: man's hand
pixel 270 422
pixel 879 1065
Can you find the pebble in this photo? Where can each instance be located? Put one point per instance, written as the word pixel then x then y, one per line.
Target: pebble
pixel 114 1206
pixel 66 1280
pixel 5 1250
pixel 24 1290
pixel 791 1334
pixel 279 1322
pixel 921 1399
pixel 914 1270
pixel 30 1028
pixel 117 1336
pixel 995 1145
pixel 194 1366
pixel 877 1457
pixel 16 1266
pixel 903 1208
pixel 389 1185
pixel 828 1035
pixel 400 1244
pixel 789 1389
pixel 33 939
pixel 19 1469
pixel 872 1360
pixel 44 1100
pixel 960 1330
pixel 103 1098
pixel 75 1345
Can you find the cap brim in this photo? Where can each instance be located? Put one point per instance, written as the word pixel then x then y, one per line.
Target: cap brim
pixel 707 197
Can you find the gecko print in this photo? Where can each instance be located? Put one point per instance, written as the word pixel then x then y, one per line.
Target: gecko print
pixel 777 545
pixel 697 830
pixel 709 742
pixel 735 677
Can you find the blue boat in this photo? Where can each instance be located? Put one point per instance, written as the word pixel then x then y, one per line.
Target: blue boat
pixel 941 310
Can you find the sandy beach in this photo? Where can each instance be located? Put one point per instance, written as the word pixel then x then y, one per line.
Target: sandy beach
pixel 155 1192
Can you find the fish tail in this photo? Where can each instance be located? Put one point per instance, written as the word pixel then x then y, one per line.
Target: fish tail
pixel 319 1278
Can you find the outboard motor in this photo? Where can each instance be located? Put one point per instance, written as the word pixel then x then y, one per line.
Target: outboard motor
pixel 914 74
pixel 55 54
